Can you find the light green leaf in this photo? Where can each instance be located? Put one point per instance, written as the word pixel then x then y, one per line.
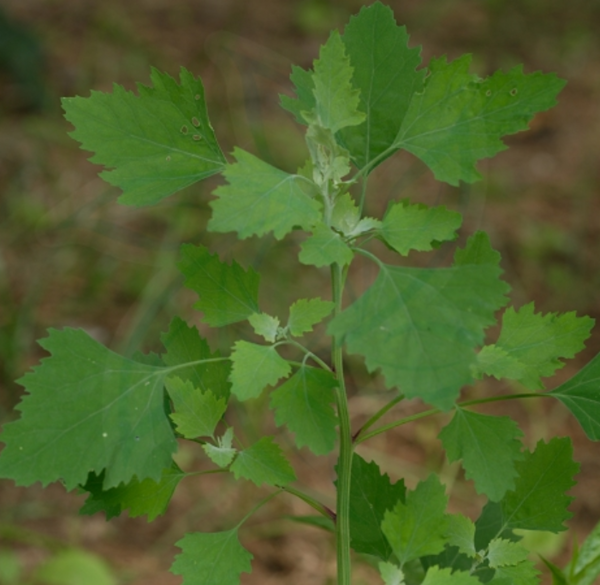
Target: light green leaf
pixel 418 527
pixel 196 413
pixel 409 227
pixel 146 497
pixel 305 313
pixel 372 494
pixel 584 568
pixel 459 119
pixel 385 72
pixel 222 453
pixel 437 576
pixel 228 293
pixel 391 574
pixel 265 325
pixel 336 101
pixel 73 567
pixel 422 325
pixel 538 501
pixel 260 198
pixel 524 573
pixel 325 247
pixel 303 404
pixel 305 101
pixel 88 409
pixel 215 558
pixel 184 345
pixel 488 446
pixel 538 341
pixel 495 361
pixel 502 553
pixel 461 534
pixel 254 368
pixel 581 395
pixel 262 463
pixel 157 143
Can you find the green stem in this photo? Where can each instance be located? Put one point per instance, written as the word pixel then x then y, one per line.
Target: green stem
pixel 359 438
pixel 314 504
pixel 344 467
pixel 258 506
pixel 378 415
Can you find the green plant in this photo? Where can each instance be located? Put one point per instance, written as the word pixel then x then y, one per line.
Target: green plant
pixel 109 425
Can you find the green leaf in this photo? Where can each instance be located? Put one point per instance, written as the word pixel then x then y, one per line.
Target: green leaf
pixel 196 413
pixel 88 409
pixel 305 313
pixel 421 325
pixel 263 462
pixel 325 247
pixel 336 101
pixel 581 395
pixel 222 453
pixel 409 227
pixel 146 497
pixel 558 577
pixel 157 143
pixel 73 567
pixel 461 534
pixel 524 573
pixel 385 72
pixel 184 345
pixel 305 101
pixel 437 576
pixel 538 341
pixel 391 574
pixel 538 501
pixel 419 526
pixel 459 119
pixel 488 446
pixel 265 325
pixel 345 218
pixel 228 293
pixel 584 568
pixel 254 368
pixel 260 198
pixel 502 553
pixel 215 558
pixel 371 496
pixel 303 404
pixel 495 361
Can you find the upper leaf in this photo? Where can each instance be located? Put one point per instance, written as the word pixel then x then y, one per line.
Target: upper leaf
pixel 197 413
pixel 140 497
pixel 536 342
pixel 265 325
pixel 581 395
pixel 391 574
pixel 421 326
pixel 385 73
pixel 228 293
pixel 488 446
pixel 437 576
pixel 185 346
pixel 336 101
pixel 260 198
pixel 502 553
pixel 325 247
pixel 303 404
pixel 409 227
pixel 305 313
pixel 372 494
pixel 538 501
pixel 459 119
pixel 254 368
pixel 419 527
pixel 157 143
pixel 88 409
pixel 222 453
pixel 461 534
pixel 263 462
pixel 215 558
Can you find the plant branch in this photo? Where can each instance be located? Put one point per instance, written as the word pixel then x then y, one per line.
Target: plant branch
pixel 314 504
pixel 378 415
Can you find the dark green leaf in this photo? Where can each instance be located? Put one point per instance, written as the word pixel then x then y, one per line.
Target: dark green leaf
pixel 303 404
pixel 157 143
pixel 215 558
pixel 260 198
pixel 228 293
pixel 88 409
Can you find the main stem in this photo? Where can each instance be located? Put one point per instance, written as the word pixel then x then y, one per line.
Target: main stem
pixel 344 468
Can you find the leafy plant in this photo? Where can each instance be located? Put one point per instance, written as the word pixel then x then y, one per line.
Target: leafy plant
pixel 110 425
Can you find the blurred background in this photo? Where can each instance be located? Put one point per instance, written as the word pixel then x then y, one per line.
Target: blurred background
pixel 71 256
